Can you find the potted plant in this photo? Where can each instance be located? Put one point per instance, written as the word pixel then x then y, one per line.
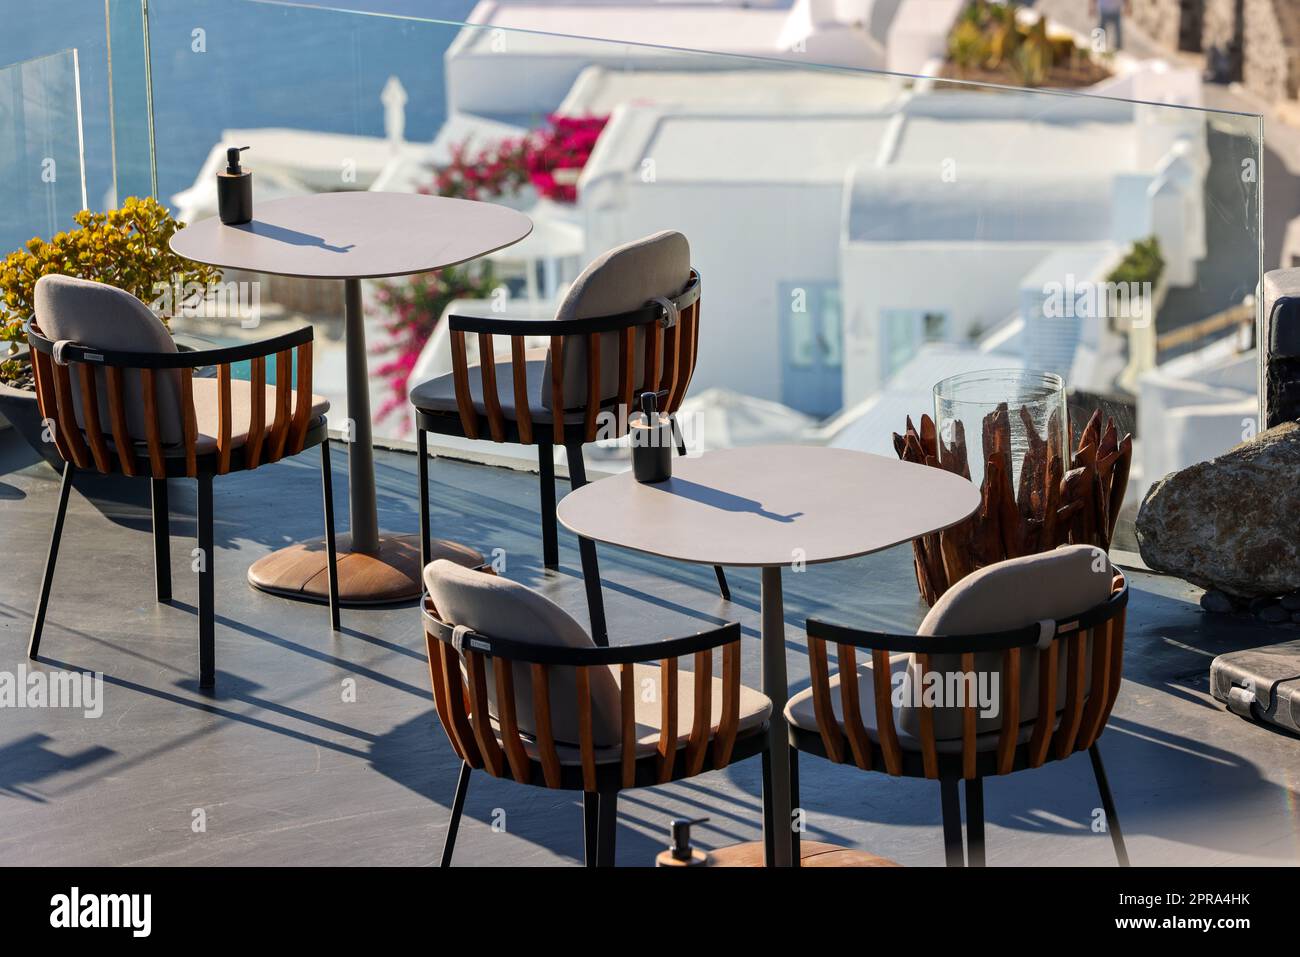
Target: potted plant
pixel 124 247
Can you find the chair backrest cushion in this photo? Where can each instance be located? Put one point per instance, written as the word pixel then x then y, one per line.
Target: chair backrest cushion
pixel 620 280
pixel 101 316
pixel 1003 597
pixel 499 608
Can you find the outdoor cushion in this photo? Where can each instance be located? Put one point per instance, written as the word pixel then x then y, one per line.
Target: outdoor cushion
pixel 101 316
pixel 439 395
pixel 799 711
pixel 500 608
pixel 1051 585
pixel 206 404
pixel 620 280
pixel 755 709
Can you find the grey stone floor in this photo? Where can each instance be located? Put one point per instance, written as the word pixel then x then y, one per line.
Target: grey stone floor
pixel 286 771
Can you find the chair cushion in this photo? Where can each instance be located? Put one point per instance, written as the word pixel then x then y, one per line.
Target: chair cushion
pixel 1012 594
pixel 801 713
pixel 754 710
pixel 102 316
pixel 207 403
pixel 500 608
pixel 439 394
pixel 620 280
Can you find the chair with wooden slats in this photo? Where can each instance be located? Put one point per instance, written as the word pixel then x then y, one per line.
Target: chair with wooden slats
pixel 629 324
pixel 138 410
pixel 524 694
pixel 1048 627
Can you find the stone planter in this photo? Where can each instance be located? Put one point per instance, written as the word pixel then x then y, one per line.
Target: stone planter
pixel 19 407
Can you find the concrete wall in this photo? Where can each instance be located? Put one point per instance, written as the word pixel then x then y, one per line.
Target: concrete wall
pixel 1159 19
pixel 1272 44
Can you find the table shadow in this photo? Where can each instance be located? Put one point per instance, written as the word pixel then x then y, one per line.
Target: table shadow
pixel 716 498
pixel 292 237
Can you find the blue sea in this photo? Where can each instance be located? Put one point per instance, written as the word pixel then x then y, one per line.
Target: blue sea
pixel 217 64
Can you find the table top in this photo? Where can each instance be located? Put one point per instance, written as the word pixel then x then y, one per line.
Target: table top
pixel 771 506
pixel 354 235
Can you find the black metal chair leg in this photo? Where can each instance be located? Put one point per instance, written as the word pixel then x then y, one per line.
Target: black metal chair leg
pixel 951 805
pixel 52 557
pixel 422 441
pixel 1108 805
pixel 680 441
pixel 607 828
pixel 162 541
pixel 590 828
pixel 331 546
pixel 587 549
pixel 457 806
pixel 550 532
pixel 795 835
pixel 770 836
pixel 975 822
pixel 207 597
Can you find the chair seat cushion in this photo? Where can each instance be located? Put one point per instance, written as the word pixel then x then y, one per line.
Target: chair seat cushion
pixel 207 398
pixel 439 394
pixel 755 709
pixel 799 711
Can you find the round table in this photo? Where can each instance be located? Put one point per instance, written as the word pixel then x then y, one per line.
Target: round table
pixel 349 237
pixel 769 507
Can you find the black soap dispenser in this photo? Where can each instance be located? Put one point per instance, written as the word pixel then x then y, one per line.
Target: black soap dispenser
pixel 680 853
pixel 235 190
pixel 652 441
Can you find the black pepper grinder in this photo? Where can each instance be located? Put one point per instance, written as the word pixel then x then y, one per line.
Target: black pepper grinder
pixel 680 853
pixel 235 190
pixel 652 441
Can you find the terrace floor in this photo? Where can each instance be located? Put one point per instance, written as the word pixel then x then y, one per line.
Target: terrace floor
pixel 287 771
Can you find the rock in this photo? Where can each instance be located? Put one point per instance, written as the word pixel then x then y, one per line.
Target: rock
pixel 1291 602
pixel 1230 523
pixel 1218 602
pixel 1295 616
pixel 1274 613
pixel 1257 605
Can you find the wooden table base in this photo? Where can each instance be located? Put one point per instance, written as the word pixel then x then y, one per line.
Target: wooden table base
pixel 386 577
pixel 811 854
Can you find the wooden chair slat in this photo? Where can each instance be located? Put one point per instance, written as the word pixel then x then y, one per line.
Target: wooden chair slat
pixel 672 358
pixel 929 747
pixel 90 417
pixel 280 423
pixel 456 720
pixel 626 369
pixel 224 427
pixel 627 708
pixel 667 719
pixel 729 722
pixel 968 717
pixel 1094 713
pixel 480 717
pixel 889 749
pixel 256 414
pixel 487 368
pixel 653 353
pixel 832 740
pixel 543 731
pixel 67 417
pixel 519 369
pixel 152 430
pixel 117 419
pixel 697 744
pixel 586 741
pixel 1010 710
pixel 557 389
pixel 855 731
pixel 460 381
pixel 189 422
pixel 1041 738
pixel 593 386
pixel 302 401
pixel 1072 717
pixel 47 400
pixel 503 674
pixel 1116 663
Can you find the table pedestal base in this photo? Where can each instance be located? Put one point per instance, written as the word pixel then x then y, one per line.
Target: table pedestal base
pixel 385 577
pixel 811 854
